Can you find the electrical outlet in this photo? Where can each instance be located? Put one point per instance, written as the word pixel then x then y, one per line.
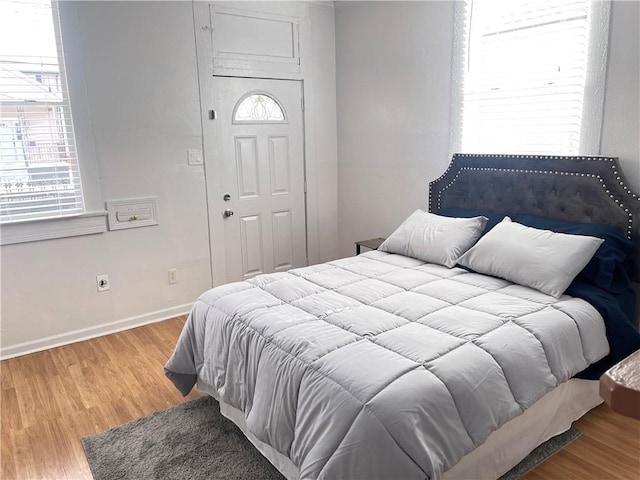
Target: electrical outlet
pixel 173 276
pixel 194 156
pixel 103 283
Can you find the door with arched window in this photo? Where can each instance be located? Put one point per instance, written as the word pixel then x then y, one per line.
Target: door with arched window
pixel 256 183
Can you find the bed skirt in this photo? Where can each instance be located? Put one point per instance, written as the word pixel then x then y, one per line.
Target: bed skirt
pixel 505 448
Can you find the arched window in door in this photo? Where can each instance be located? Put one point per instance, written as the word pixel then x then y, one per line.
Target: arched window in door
pixel 258 107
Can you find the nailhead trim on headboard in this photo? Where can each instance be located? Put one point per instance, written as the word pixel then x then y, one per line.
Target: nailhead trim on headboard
pixel 570 166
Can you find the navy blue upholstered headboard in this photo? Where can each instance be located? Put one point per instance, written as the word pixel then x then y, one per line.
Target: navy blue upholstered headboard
pixel 579 189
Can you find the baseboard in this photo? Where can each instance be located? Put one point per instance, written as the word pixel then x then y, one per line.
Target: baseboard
pixel 92 332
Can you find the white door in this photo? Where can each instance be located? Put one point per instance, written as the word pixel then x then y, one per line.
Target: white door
pixel 258 199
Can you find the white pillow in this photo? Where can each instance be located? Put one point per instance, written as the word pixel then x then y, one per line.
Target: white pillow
pixel 540 259
pixel 434 239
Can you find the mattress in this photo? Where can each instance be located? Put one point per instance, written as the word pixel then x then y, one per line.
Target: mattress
pixel 380 365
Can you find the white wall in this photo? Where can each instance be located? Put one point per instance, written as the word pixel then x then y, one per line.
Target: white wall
pixel 322 146
pixel 141 94
pixel 134 90
pixel 393 82
pixel 394 62
pixel 621 116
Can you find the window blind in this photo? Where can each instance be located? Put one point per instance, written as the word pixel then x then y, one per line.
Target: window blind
pixel 39 172
pixel 524 74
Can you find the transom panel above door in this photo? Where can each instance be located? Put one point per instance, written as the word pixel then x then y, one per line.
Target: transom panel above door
pixel 258 163
pixel 251 43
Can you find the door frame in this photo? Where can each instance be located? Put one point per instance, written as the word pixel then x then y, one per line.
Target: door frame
pixel 321 222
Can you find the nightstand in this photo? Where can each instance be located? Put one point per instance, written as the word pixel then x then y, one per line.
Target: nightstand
pixel 620 386
pixel 372 243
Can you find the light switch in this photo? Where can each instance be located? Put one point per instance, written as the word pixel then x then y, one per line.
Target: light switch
pixel 194 156
pixel 131 213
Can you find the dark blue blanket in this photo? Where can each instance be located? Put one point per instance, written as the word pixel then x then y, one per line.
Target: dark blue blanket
pixel 618 312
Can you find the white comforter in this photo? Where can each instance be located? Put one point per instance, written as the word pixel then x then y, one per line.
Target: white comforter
pixel 382 366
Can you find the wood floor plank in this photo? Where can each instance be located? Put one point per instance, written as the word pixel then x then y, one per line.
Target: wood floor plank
pixel 50 400
pixel 616 438
pixel 21 457
pixel 7 456
pixel 10 417
pixel 66 395
pixel 598 454
pixel 44 450
pixel 46 403
pixel 27 404
pixel 82 424
pixel 88 394
pixel 570 467
pixel 6 376
pixel 618 424
pixel 65 356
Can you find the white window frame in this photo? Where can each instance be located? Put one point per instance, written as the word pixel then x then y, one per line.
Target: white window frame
pixel 595 80
pixel 93 220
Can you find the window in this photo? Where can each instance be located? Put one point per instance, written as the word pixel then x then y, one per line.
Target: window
pixel 529 76
pixel 258 108
pixel 39 174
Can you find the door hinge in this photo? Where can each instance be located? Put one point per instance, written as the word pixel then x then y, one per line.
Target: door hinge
pixel 302 103
pixel 212 115
pixel 305 186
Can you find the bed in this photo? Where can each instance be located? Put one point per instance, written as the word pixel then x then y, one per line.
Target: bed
pixel 385 365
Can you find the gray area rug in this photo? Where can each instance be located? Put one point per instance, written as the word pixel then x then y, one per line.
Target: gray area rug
pixel 193 440
pixel 541 453
pixel 189 441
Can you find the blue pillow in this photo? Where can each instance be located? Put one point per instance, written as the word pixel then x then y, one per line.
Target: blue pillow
pixel 493 217
pixel 612 266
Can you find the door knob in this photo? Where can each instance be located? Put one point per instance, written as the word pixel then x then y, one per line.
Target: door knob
pixel 226 197
pixel 227 213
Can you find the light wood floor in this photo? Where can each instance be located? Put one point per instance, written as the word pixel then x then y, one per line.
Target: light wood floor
pixel 52 399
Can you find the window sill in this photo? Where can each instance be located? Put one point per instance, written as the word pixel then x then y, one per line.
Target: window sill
pixel 36 230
